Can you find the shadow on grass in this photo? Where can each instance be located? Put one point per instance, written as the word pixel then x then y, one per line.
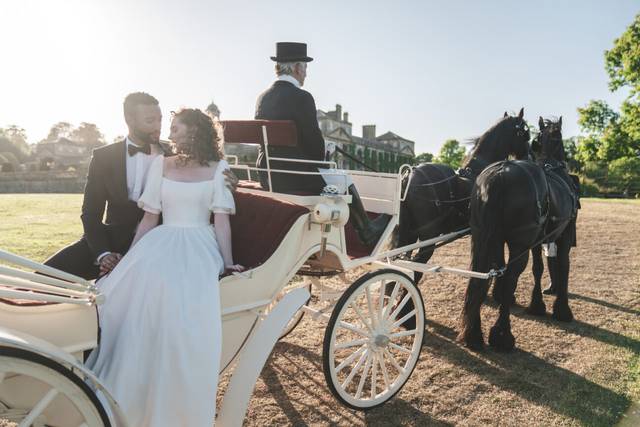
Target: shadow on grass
pixel 578 327
pixel 534 379
pixel 604 304
pixel 394 412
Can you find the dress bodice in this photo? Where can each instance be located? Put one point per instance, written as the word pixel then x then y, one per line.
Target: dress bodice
pixel 186 204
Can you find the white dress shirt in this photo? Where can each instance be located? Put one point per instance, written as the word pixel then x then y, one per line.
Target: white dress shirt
pixel 290 79
pixel 137 167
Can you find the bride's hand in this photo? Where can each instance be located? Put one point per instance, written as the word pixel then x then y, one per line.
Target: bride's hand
pixel 234 268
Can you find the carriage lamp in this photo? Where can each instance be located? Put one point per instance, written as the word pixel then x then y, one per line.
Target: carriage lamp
pixel 333 210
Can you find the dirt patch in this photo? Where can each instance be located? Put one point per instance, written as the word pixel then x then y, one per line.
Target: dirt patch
pixel 580 373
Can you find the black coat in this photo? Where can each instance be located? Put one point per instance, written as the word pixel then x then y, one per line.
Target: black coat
pixel 285 101
pixel 107 185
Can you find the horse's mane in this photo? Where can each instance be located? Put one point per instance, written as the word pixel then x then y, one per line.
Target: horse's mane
pixel 478 142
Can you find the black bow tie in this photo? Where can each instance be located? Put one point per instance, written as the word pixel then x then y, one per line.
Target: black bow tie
pixel 134 149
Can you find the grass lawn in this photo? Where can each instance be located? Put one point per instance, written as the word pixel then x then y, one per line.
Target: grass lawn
pixel 37 225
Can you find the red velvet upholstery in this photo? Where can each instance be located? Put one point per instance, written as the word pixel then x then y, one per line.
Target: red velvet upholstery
pixel 259 225
pixel 279 132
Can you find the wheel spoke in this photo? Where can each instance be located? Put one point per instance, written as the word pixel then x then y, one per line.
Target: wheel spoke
pixel 354 328
pixel 392 299
pixel 383 287
pixel 374 375
pixel 400 348
pixel 361 316
pixel 355 370
pixel 372 313
pixel 39 408
pixel 404 301
pixel 401 321
pixel 349 359
pixel 393 361
pixel 385 373
pixel 351 343
pixel 403 334
pixel 364 375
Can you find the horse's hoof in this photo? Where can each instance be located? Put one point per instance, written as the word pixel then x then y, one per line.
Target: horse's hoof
pixel 550 290
pixel 562 312
pixel 537 308
pixel 501 339
pixel 474 343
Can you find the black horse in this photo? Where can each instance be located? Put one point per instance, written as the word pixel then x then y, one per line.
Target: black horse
pixel 548 150
pixel 515 203
pixel 437 199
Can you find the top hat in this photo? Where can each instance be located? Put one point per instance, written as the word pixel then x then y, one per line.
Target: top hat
pixel 291 52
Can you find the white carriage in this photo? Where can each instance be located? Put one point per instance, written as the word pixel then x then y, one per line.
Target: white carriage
pixel 48 320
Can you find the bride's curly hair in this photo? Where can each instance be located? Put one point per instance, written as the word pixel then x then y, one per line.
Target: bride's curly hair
pixel 206 135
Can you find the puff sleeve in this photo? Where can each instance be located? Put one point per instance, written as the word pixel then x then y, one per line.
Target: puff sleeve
pixel 222 200
pixel 151 200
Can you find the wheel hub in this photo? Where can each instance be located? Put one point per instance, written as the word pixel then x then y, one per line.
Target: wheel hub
pixel 381 341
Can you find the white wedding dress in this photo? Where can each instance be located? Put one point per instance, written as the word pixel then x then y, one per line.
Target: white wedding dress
pixel 159 352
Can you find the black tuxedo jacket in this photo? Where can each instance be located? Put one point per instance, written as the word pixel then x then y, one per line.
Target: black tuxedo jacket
pixel 285 101
pixel 107 187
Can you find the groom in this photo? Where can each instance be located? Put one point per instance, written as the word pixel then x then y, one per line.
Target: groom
pixel 115 181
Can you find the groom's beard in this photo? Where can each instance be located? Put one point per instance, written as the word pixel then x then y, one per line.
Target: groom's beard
pixel 147 137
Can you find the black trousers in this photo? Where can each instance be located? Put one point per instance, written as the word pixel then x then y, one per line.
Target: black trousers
pixel 75 259
pixel 78 259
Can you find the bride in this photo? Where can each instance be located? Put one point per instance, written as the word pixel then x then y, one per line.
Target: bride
pixel 159 351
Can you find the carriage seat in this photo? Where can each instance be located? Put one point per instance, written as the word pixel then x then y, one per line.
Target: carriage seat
pixel 259 225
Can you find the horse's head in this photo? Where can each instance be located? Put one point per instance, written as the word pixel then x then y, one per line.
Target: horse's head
pixel 548 144
pixel 507 138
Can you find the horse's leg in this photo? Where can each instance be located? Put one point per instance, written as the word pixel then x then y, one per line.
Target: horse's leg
pixel 536 306
pixel 470 323
pixel 552 265
pixel 561 310
pixel 500 336
pixel 496 294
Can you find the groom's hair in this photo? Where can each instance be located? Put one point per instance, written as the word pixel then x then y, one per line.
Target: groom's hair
pixel 137 98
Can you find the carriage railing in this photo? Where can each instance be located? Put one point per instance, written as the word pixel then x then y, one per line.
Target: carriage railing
pixel 43 283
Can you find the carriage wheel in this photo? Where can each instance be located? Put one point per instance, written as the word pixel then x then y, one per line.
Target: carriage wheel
pixel 297 318
pixel 367 356
pixel 38 391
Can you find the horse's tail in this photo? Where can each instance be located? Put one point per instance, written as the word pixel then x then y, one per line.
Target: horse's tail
pixel 486 209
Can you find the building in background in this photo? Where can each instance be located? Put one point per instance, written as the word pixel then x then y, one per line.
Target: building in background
pixel 62 154
pixel 384 153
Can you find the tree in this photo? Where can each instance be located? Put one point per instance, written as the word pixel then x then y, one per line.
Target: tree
pixel 624 174
pixel 423 158
pixel 88 134
pixel 451 154
pixel 59 130
pixel 17 137
pixel 622 62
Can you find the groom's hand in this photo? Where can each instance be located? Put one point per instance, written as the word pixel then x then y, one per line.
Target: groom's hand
pixel 230 179
pixel 109 262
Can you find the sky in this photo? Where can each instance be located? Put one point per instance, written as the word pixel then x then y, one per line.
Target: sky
pixel 426 70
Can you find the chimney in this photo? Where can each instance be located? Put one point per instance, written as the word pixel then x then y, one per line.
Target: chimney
pixel 369 132
pixel 338 111
pixel 345 117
